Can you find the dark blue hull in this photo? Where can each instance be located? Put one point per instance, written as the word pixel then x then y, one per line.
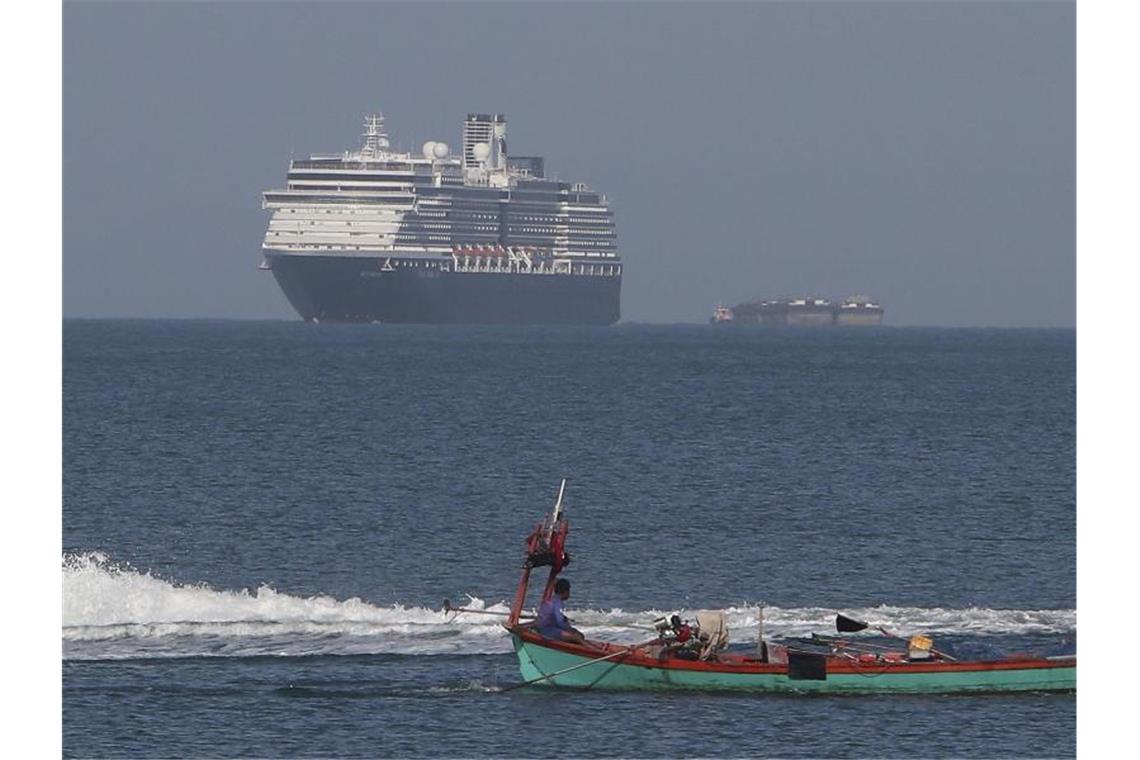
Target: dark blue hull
pixel 360 289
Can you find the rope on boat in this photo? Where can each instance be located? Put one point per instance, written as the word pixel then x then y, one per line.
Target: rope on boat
pixel 545 676
pixel 887 665
pixel 613 665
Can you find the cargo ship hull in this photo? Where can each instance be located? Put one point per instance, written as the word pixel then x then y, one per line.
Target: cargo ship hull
pixel 800 317
pixel 802 312
pixel 366 289
pixel 861 318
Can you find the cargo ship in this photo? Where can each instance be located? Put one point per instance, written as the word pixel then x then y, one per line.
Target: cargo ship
pixel 378 235
pixel 859 310
pixel 803 311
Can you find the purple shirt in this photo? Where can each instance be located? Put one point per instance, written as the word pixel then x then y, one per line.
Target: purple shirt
pixel 551 621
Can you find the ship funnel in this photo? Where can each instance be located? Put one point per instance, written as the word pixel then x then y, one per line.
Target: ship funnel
pixel 499 145
pixel 490 130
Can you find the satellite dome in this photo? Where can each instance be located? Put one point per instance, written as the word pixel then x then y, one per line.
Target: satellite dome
pixel 439 150
pixel 481 151
pixel 429 149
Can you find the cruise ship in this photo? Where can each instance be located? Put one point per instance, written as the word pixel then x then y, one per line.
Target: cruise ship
pixel 482 237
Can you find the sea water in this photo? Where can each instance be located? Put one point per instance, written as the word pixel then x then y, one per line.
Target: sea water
pixel 262 520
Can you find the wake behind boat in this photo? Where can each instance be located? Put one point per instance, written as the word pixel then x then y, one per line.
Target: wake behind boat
pixel 695 654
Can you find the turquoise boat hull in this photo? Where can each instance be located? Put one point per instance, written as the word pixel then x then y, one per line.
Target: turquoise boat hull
pixel 549 663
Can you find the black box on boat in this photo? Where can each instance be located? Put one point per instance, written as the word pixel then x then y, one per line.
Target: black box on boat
pixel 804 666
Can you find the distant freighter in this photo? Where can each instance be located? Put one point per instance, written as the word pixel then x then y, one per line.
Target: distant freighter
pixel 376 235
pixel 801 312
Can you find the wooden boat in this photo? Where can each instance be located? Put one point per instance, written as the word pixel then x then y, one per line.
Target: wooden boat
pixel 822 664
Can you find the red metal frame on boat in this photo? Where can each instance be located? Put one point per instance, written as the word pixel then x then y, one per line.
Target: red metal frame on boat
pixel 545 545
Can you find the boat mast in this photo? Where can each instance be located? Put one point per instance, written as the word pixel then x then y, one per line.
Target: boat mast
pixel 557 515
pixel 557 527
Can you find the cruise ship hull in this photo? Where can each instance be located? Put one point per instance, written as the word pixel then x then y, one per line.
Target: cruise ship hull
pixel 362 289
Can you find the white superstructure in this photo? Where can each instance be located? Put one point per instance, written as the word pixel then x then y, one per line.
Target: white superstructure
pixel 434 204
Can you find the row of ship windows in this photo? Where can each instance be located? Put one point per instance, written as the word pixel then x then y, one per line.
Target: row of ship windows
pixel 612 268
pixel 455 219
pixel 331 247
pixel 425 202
pixel 607 250
pixel 585 248
pixel 378 198
pixel 329 225
pixel 552 196
pixel 489 204
pixel 456 231
pixel 340 163
pixel 442 238
pixel 559 221
pixel 300 233
pixel 403 188
pixel 445 226
pixel 455 215
pixel 335 191
pixel 402 223
pixel 563 230
pixel 591 244
pixel 546 231
pixel 567 226
pixel 461 222
pixel 382 211
pixel 563 219
pixel 374 175
pixel 564 223
pixel 378 234
pixel 371 212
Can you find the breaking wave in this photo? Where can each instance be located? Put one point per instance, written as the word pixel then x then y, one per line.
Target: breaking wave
pixel 112 611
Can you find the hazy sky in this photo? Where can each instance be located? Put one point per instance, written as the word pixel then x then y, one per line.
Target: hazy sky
pixel 922 153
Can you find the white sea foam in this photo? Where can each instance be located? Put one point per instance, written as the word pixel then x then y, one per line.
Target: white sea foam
pixel 115 612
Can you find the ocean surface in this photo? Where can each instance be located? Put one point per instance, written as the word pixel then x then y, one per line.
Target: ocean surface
pixel 261 521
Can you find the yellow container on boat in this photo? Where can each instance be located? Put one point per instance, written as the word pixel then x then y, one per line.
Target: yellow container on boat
pixel 921 643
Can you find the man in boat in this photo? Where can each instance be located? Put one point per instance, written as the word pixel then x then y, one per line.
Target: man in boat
pixel 552 622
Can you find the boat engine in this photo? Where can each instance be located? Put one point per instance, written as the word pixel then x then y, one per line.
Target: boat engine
pixel 673 630
pixel 679 638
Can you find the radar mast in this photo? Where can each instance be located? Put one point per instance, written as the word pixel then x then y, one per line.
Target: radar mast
pixel 375 138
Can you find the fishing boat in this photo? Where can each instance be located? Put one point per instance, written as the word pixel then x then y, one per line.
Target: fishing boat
pixel 695 656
